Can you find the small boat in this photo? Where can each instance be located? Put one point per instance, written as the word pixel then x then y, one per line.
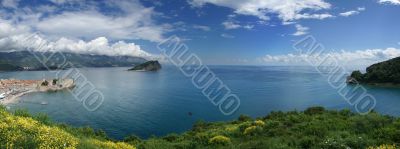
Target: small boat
pixel 3 95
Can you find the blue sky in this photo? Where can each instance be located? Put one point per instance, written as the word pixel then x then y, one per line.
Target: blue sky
pixel 245 32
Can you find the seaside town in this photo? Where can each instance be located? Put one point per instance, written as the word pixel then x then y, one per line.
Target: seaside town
pixel 12 89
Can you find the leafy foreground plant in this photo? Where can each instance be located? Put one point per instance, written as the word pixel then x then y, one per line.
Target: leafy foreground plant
pixel 313 128
pixel 20 130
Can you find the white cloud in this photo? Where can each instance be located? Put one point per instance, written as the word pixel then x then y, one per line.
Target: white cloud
pixel 10 3
pixel 80 19
pixel 227 35
pixel 230 24
pixel 352 12
pixel 202 27
pixel 19 37
pixel 360 57
pixel 300 30
pixel 393 2
pixel 313 16
pixel 287 10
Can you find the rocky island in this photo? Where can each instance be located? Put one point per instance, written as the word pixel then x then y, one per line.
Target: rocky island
pixel 147 66
pixel 383 73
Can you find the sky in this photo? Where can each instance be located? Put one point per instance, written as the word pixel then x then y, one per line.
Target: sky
pixel 221 32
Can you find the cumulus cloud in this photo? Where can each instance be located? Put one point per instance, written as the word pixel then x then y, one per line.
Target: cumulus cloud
pixel 80 19
pixel 393 2
pixel 300 30
pixel 91 24
pixel 20 37
pixel 352 12
pixel 360 57
pixel 287 10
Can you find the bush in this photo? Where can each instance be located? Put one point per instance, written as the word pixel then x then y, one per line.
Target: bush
pixel 45 83
pixel 243 118
pixel 110 145
pixel 259 123
pixel 384 146
pixel 314 110
pixel 252 130
pixel 220 140
pixel 22 113
pixel 357 75
pixel 54 81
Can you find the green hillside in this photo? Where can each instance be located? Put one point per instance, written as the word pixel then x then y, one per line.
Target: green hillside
pixel 387 72
pixel 313 128
pixel 27 59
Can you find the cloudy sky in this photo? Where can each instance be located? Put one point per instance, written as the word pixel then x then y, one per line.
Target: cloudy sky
pixel 249 32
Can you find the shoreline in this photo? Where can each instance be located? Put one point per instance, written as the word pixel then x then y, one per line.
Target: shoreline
pixel 18 88
pixel 15 98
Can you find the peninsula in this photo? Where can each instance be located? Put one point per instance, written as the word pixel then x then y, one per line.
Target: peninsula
pixel 12 89
pixel 385 73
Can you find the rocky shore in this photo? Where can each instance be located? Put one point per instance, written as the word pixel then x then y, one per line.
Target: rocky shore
pixel 12 89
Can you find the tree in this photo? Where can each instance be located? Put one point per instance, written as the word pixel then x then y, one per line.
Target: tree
pixel 45 83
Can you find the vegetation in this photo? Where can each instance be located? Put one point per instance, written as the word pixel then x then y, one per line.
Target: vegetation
pixel 313 128
pixel 54 82
pixel 45 83
pixel 56 60
pixel 21 130
pixel 387 72
pixel 148 66
pixel 8 67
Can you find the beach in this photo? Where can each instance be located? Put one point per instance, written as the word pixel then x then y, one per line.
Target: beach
pixel 14 89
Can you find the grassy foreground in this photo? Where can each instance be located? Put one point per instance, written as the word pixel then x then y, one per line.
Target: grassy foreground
pixel 313 128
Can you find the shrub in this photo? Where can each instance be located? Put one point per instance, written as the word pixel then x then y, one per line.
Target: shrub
pixel 383 146
pixel 220 140
pixel 171 137
pixel 110 145
pixel 252 130
pixel 22 132
pixel 244 118
pixel 43 118
pixel 45 83
pixel 54 81
pixel 259 123
pixel 357 75
pixel 132 139
pixel 314 110
pixel 22 113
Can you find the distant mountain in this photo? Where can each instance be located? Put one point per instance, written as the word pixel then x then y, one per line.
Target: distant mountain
pixel 9 67
pixel 387 72
pixel 27 60
pixel 148 66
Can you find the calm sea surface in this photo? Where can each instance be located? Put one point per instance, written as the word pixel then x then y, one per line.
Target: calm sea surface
pixel 158 103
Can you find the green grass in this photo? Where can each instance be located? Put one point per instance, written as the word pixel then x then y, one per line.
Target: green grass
pixel 312 128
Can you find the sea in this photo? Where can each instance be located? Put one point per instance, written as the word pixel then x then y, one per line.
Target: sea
pixel 158 103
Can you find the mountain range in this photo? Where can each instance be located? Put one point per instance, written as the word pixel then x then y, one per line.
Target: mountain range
pixel 25 60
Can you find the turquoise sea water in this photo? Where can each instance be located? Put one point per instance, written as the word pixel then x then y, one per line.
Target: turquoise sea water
pixel 158 103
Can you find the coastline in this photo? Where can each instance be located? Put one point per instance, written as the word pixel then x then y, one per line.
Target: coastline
pixel 32 87
pixel 15 98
